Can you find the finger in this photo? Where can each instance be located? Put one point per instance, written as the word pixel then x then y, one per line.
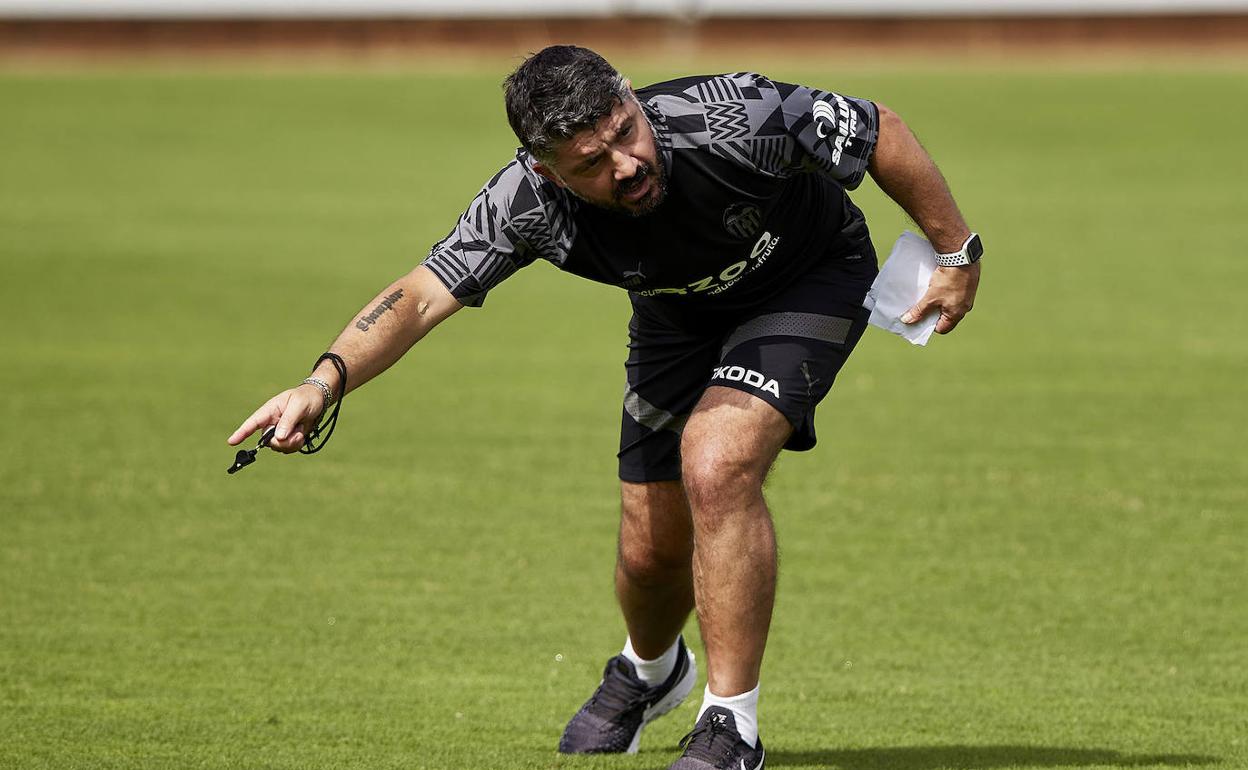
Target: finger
pixel 261 418
pixel 288 445
pixel 920 309
pixel 947 322
pixel 291 417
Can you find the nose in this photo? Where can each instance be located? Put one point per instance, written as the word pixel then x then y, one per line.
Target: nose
pixel 625 165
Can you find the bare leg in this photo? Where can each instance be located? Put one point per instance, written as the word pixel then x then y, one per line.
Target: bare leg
pixel 653 579
pixel 729 444
pixel 654 583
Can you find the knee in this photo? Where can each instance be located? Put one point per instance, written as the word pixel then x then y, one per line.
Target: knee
pixel 717 478
pixel 656 537
pixel 652 564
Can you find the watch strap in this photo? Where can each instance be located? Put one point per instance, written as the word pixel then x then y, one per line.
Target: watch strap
pixel 969 254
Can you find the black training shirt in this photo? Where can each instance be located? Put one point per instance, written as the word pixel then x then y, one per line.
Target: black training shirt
pixel 756 170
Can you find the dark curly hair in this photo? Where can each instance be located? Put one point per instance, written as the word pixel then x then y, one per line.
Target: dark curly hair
pixel 557 92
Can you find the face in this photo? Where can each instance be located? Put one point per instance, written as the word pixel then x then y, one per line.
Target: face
pixel 614 166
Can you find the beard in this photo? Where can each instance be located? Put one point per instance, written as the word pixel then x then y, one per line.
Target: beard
pixel 656 174
pixel 658 192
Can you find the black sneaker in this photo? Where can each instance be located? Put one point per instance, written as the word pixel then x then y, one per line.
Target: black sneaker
pixel 612 718
pixel 715 744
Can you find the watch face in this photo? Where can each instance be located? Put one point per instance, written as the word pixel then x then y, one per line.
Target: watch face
pixel 974 249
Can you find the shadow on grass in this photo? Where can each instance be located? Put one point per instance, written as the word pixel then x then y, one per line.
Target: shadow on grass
pixel 975 758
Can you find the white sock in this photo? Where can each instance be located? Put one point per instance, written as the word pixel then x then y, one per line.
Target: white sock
pixel 744 708
pixel 652 672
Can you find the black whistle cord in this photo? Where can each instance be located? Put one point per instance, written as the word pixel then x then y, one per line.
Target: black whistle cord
pixel 319 436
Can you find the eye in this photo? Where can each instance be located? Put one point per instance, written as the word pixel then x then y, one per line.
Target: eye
pixel 626 130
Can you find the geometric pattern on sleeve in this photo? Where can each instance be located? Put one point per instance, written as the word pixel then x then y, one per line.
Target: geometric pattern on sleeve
pixel 771 127
pixel 516 218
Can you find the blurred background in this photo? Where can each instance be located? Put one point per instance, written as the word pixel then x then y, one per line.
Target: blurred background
pixel 1020 547
pixel 667 27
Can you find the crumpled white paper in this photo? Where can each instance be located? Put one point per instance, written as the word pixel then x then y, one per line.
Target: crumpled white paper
pixel 901 283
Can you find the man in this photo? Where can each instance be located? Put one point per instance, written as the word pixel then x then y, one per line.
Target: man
pixel 719 203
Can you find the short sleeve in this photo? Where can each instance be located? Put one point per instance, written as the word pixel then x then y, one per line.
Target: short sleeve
pixel 835 134
pixel 500 232
pixel 775 128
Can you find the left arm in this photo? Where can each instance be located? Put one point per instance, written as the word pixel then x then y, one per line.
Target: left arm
pixel 907 174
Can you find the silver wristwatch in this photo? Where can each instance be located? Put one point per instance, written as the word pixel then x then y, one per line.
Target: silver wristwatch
pixel 969 254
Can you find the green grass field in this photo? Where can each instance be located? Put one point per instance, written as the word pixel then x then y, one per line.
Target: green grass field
pixel 1024 546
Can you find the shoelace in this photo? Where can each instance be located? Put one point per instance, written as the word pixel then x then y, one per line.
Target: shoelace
pixel 618 694
pixel 718 744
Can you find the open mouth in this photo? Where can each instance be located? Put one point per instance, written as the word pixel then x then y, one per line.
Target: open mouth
pixel 635 191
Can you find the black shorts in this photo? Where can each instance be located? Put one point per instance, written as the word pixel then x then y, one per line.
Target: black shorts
pixel 786 351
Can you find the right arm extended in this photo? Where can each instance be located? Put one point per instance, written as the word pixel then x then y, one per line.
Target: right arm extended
pixel 403 313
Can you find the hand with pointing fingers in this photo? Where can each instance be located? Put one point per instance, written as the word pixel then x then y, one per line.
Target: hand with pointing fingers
pixel 952 292
pixel 293 411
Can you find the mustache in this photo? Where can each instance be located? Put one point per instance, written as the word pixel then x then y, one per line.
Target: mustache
pixel 635 181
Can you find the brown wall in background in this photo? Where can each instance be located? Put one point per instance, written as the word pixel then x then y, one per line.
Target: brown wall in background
pixel 639 35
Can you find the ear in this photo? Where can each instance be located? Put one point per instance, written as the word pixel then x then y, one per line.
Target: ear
pixel 547 173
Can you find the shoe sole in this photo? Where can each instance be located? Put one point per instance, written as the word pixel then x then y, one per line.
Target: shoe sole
pixel 668 702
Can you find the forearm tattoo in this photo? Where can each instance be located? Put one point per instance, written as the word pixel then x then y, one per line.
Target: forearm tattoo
pixel 387 302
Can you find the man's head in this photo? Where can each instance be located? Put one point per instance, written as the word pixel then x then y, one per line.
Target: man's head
pixel 579 119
